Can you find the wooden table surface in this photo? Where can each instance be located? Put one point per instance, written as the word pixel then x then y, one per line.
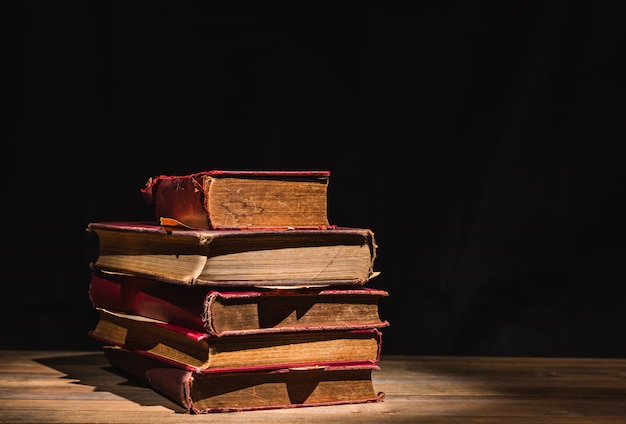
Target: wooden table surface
pixel 80 387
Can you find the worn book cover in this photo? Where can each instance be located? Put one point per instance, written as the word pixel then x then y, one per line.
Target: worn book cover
pixel 252 257
pixel 185 347
pixel 240 199
pixel 200 392
pixel 227 311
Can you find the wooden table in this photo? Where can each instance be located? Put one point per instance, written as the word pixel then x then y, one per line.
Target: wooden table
pixel 79 387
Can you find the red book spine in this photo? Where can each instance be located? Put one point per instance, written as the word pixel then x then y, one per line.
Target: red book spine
pixel 128 295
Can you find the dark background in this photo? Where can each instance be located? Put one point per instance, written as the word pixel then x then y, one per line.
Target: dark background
pixel 481 141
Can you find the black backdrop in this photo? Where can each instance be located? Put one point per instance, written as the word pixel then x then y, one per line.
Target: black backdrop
pixel 480 141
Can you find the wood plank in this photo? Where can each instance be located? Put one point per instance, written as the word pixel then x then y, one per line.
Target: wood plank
pixel 73 387
pixel 303 415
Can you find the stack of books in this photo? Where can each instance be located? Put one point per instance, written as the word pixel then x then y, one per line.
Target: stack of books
pixel 240 295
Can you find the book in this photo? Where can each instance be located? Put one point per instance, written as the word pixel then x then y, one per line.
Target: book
pixel 188 348
pixel 255 257
pixel 236 199
pixel 226 311
pixel 208 392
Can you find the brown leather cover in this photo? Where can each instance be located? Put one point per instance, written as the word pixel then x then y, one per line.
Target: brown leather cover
pixel 182 197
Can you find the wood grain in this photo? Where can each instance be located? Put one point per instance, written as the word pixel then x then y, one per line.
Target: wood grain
pixel 81 387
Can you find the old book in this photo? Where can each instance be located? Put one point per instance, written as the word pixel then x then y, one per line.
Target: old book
pixel 239 199
pixel 207 392
pixel 294 257
pixel 227 311
pixel 185 347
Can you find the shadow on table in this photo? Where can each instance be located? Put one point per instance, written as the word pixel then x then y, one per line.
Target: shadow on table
pixel 92 369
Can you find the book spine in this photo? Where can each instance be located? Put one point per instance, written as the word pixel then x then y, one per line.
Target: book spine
pixel 182 198
pixel 126 295
pixel 172 382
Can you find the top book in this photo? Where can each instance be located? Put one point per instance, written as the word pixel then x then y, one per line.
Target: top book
pixel 240 199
